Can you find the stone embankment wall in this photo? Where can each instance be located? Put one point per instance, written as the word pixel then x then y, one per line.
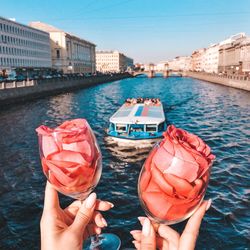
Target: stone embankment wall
pixel 234 81
pixel 16 91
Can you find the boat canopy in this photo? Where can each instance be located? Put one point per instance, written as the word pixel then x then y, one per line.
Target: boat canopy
pixel 139 114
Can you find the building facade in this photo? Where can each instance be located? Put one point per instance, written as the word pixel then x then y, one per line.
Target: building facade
pixel 234 56
pixel 210 61
pixel 198 60
pixel 23 48
pixel 113 61
pixel 70 54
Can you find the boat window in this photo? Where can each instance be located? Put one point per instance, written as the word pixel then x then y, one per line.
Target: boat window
pixel 112 126
pixel 161 127
pixel 151 128
pixel 136 128
pixel 121 127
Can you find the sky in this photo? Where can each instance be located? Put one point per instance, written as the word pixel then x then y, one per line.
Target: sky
pixel 146 30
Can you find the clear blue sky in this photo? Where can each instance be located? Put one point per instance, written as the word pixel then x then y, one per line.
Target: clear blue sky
pixel 146 30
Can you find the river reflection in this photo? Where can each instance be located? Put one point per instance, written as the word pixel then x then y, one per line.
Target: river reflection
pixel 218 114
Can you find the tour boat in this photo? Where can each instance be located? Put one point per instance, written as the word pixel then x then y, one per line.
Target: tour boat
pixel 138 122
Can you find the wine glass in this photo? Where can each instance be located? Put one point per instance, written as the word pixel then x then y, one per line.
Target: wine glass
pixel 72 162
pixel 171 186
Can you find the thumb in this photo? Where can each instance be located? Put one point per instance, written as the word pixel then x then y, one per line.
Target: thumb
pixel 148 239
pixel 84 214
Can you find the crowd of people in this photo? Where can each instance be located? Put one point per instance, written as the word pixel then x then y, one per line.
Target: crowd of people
pixel 146 101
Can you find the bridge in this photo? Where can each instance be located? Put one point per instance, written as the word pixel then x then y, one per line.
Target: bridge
pixel 153 73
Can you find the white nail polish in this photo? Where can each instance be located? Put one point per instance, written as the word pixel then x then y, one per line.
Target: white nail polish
pixel 146 227
pixel 208 204
pixel 90 201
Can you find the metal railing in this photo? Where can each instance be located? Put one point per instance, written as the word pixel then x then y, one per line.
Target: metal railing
pixel 225 76
pixel 17 84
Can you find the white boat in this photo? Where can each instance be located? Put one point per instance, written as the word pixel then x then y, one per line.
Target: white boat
pixel 137 123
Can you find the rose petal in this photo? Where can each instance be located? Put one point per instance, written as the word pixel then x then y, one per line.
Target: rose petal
pixel 162 159
pixel 179 211
pixel 81 147
pixel 144 180
pixel 183 169
pixel 49 145
pixel 156 204
pixel 196 189
pixel 181 186
pixel 153 187
pixel 69 156
pixel 158 178
pixel 44 130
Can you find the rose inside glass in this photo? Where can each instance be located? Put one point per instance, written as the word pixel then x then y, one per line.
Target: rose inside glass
pixel 175 176
pixel 71 158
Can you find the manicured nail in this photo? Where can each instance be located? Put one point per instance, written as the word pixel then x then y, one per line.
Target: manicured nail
pixel 104 222
pixel 208 204
pixel 135 231
pixel 111 204
pixel 141 218
pixel 146 227
pixel 90 201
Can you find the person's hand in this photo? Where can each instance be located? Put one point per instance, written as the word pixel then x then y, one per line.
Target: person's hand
pixel 67 228
pixel 154 236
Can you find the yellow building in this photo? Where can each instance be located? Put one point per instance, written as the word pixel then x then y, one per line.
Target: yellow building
pixel 70 53
pixel 112 61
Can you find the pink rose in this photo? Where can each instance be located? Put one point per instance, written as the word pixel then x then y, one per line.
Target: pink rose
pixel 70 156
pixel 176 174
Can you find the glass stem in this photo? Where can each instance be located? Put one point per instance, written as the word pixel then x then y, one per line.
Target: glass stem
pixel 95 242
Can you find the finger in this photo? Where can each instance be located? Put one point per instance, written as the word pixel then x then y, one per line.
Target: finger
pixel 160 242
pixel 103 205
pixel 136 234
pixel 148 239
pixel 72 209
pixel 51 200
pixel 137 245
pixel 99 220
pixel 191 231
pixel 90 230
pixel 169 235
pixel 84 214
pixel 155 225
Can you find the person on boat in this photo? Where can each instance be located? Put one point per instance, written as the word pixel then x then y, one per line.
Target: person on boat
pixel 67 228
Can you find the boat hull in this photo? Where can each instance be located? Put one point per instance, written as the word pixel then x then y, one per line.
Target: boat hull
pixel 138 143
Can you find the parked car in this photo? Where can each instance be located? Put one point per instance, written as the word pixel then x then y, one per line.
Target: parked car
pixel 20 78
pixel 2 79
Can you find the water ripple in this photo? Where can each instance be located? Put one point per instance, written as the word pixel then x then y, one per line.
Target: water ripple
pixel 220 115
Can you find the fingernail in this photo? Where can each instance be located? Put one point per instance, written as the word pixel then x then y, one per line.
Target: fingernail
pixel 208 204
pixel 140 218
pixel 111 204
pixel 104 222
pixel 90 201
pixel 135 231
pixel 146 227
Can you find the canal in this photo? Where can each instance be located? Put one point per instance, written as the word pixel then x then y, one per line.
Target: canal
pixel 218 114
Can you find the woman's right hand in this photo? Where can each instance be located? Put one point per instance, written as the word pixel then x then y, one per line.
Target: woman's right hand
pixel 154 236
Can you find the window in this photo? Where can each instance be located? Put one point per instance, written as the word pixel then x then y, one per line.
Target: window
pixel 121 128
pixel 161 127
pixel 57 53
pixel 137 128
pixel 151 128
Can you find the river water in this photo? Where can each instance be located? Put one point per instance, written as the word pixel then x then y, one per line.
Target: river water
pixel 218 114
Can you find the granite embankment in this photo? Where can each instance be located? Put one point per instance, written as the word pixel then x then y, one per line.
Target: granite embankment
pixel 24 91
pixel 234 81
